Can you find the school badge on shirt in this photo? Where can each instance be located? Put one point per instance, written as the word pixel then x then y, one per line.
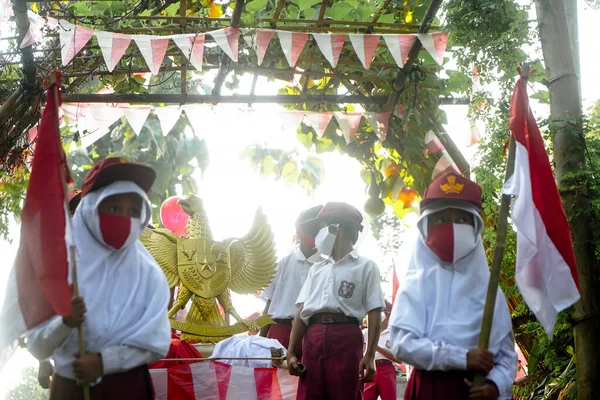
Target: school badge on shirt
pixel 346 289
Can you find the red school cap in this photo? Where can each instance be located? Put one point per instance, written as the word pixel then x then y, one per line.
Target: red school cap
pixel 452 186
pixel 114 169
pixel 338 211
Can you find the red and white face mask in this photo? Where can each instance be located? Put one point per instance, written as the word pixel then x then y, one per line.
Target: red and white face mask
pixel 118 230
pixel 451 242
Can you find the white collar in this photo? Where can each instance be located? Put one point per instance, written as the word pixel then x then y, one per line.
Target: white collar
pixel 301 257
pixel 353 254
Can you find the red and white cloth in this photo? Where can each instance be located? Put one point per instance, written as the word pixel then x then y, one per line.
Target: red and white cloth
pixel 215 380
pixel 546 270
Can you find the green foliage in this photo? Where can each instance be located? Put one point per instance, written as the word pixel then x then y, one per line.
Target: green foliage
pixel 12 194
pixel 173 157
pixel 28 388
pixel 305 170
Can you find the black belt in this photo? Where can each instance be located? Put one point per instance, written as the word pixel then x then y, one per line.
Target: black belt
pixel 331 318
pixel 381 362
pixel 287 321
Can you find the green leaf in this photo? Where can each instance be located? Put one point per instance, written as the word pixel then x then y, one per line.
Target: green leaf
pixel 305 4
pixel 305 139
pixel 340 11
pixel 364 11
pixel 387 18
pixel 256 5
pixel 290 172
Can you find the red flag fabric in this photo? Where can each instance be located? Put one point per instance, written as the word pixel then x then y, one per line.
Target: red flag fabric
pixel 38 287
pixel 395 282
pixel 546 271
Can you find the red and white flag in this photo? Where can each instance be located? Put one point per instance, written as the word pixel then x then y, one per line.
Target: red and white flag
pixel 546 271
pixel 38 285
pixel 219 381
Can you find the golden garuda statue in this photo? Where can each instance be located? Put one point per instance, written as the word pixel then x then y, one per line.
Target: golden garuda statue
pixel 205 270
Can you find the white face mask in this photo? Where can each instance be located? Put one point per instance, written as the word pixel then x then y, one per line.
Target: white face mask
pixel 324 241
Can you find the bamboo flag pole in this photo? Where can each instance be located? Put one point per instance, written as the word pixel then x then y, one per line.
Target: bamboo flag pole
pixel 502 226
pixel 53 80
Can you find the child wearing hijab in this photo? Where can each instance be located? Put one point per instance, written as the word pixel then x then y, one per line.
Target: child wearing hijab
pixel 123 293
pixel 436 318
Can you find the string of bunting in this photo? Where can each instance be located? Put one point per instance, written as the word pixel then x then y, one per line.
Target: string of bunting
pixel 93 120
pixel 153 48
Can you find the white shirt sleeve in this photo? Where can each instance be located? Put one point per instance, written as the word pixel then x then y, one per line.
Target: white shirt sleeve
pixel 373 295
pixel 424 354
pixel 267 294
pixel 44 339
pixel 121 358
pixel 505 367
pixel 305 291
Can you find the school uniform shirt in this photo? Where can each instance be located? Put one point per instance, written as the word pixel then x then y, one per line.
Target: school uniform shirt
pixel 384 342
pixel 125 293
pixel 290 275
pixel 351 286
pixel 436 318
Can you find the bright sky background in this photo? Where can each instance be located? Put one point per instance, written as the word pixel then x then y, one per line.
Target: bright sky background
pixel 232 191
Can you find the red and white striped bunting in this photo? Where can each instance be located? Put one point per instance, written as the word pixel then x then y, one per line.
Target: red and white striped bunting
pixel 219 381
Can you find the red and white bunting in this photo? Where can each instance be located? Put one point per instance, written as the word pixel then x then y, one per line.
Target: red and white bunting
pixel 263 39
pixel 319 121
pixel 227 40
pixel 72 39
pixel 34 31
pixel 113 46
pixel 292 44
pixel 192 47
pixel 475 135
pixel 349 124
pixel 435 44
pixel 136 116
pixel 399 46
pixel 219 381
pixel 433 143
pixel 444 164
pixel 153 49
pixel 379 123
pixel 331 46
pixel 365 46
pixel 167 117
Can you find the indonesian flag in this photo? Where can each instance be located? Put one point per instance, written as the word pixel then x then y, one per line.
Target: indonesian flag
pixel 546 271
pixel 215 380
pixel 37 287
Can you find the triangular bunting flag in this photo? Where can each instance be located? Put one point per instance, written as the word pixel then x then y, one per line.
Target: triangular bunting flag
pixel 167 117
pixel 153 49
pixel 444 164
pixel 319 121
pixel 399 46
pixel 72 40
pixel 365 46
pixel 113 46
pixel 433 143
pixel 34 31
pixel 349 124
pixel 292 44
pixel 435 44
pixel 227 40
pixel 475 136
pixel 331 46
pixel 379 123
pixel 136 116
pixel 263 38
pixel 192 47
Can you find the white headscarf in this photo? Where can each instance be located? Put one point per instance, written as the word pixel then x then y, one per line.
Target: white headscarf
pixel 125 292
pixel 444 302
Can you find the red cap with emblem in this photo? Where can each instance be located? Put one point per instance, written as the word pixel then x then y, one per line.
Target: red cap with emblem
pixel 452 186
pixel 337 211
pixel 113 169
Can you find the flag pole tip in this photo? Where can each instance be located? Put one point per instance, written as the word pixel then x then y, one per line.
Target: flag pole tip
pixel 524 70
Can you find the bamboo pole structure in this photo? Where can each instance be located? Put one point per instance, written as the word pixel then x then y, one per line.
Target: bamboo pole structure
pixel 54 82
pixel 451 148
pixel 492 291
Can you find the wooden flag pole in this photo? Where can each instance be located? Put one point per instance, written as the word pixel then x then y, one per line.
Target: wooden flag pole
pixel 501 229
pixel 52 79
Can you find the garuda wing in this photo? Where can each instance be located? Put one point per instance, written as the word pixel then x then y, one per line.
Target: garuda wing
pixel 162 245
pixel 252 258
